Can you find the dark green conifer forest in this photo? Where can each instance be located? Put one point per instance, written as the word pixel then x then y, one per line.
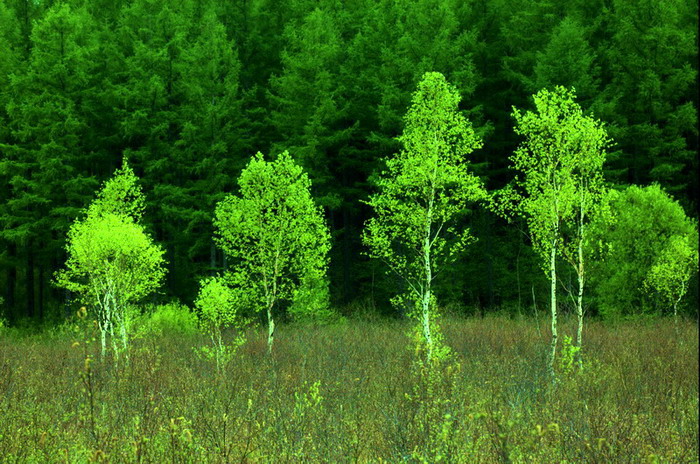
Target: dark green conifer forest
pixel 189 90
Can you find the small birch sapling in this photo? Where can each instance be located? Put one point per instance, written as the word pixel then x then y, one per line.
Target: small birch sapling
pixel 670 274
pixel 218 309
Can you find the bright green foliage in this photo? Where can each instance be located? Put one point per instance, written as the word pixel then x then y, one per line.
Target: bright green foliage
pixel 545 193
pixel 588 141
pixel 426 186
pixel 121 195
pixel 166 319
pixel 644 221
pixel 219 310
pixel 311 301
pixel 187 89
pixel 274 232
pixel 673 268
pixel 569 355
pixel 558 144
pixel 216 302
pixel 112 263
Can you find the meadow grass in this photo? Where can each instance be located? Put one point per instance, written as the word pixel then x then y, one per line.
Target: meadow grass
pixel 348 393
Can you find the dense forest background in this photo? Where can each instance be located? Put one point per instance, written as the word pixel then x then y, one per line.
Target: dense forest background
pixel 189 90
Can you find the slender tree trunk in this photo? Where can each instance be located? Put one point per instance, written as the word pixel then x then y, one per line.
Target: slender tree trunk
pixel 534 310
pixel 678 300
pixel 271 298
pixel 579 305
pixel 115 326
pixel 103 337
pixel 427 334
pixel 553 289
pixel 103 318
pixel 218 341
pixel 270 327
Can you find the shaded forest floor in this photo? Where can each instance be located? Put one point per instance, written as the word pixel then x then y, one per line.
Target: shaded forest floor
pixel 347 393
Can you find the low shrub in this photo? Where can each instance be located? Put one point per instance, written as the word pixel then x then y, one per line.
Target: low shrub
pixel 170 318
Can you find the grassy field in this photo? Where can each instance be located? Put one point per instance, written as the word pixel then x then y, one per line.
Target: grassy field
pixel 349 393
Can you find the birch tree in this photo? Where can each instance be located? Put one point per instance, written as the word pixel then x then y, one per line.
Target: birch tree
pixel 275 234
pixel 219 309
pixel 425 188
pixel 676 264
pixel 112 262
pixel 586 141
pixel 544 192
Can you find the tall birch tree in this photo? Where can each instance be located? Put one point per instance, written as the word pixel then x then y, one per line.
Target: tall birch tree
pixel 586 141
pixel 544 192
pixel 427 185
pixel 275 234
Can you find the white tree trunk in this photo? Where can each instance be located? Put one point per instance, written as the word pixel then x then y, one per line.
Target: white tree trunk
pixel 579 304
pixel 270 328
pixel 553 289
pixel 425 303
pixel 103 340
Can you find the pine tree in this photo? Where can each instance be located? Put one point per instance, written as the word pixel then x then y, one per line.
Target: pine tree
pixel 652 96
pixel 49 166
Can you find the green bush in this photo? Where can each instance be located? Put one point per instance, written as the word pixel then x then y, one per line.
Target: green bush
pixel 643 221
pixel 170 318
pixel 311 303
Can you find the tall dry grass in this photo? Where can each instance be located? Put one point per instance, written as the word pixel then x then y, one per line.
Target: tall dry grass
pixel 344 394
